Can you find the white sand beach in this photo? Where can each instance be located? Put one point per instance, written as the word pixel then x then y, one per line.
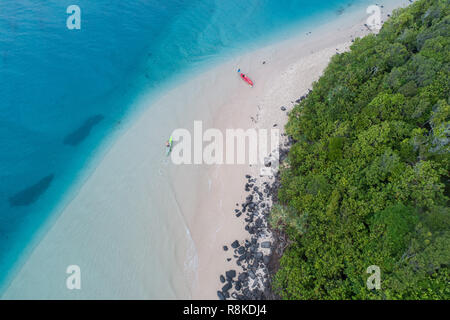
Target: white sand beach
pixel 112 227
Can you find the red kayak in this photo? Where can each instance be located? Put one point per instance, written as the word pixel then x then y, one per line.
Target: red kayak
pixel 247 79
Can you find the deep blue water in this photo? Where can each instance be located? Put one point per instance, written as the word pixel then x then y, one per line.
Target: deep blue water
pixel 64 91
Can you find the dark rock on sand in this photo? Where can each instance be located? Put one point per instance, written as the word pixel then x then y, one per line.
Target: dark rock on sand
pixel 226 287
pixel 243 276
pixel 230 274
pixel 255 265
pixel 220 295
pixel 265 244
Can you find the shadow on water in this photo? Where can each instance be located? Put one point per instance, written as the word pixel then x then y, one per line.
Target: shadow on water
pixel 77 136
pixel 32 193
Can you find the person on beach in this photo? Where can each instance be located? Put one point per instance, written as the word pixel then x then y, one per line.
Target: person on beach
pixel 169 145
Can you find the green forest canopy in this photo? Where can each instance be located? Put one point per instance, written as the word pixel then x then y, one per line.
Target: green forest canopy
pixel 366 181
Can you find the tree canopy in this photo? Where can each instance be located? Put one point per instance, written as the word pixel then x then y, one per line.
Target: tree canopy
pixel 366 181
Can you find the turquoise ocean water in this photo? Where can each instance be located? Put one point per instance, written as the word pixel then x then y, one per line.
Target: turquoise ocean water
pixel 63 92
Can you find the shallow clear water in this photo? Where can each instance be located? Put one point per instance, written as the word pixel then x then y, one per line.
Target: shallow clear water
pixel 64 91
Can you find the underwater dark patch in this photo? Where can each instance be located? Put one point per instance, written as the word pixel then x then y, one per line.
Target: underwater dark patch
pixel 29 195
pixel 76 137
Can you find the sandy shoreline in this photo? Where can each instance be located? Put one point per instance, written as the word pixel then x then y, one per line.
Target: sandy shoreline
pixel 135 191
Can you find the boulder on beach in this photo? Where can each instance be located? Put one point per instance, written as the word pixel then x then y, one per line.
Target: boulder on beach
pixel 226 287
pixel 230 274
pixel 265 244
pixel 220 295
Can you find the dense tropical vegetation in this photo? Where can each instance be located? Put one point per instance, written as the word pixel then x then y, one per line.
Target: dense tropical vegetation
pixel 366 181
